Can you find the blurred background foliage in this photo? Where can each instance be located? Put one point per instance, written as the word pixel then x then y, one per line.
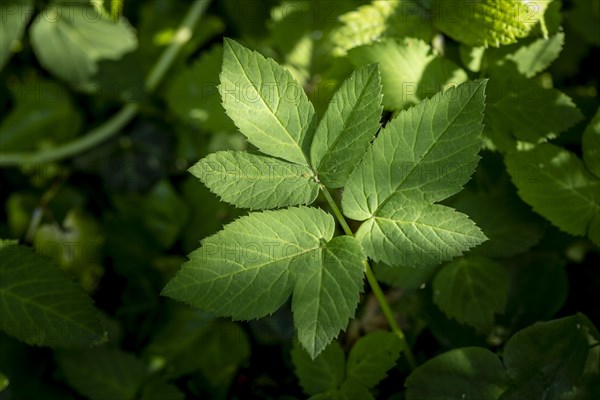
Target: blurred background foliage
pixel 119 217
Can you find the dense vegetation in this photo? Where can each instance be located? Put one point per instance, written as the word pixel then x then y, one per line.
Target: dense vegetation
pixel 340 199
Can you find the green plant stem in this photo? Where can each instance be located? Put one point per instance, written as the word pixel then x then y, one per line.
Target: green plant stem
pixel 127 113
pixel 377 291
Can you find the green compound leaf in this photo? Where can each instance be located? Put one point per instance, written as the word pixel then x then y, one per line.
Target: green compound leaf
pixel 267 105
pixel 488 22
pixel 40 305
pixel 469 373
pixel 347 127
pixel 591 145
pixel 253 265
pixel 256 182
pixel 324 373
pixel 193 96
pixel 424 155
pixel 15 15
pixel 472 291
pixel 554 360
pixel 557 185
pixel 410 70
pixel 102 373
pixel 70 40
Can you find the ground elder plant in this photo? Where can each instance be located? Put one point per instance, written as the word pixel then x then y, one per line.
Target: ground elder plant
pixel 343 199
pixel 250 268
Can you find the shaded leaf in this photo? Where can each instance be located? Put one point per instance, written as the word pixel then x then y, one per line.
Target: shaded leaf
pixel 40 305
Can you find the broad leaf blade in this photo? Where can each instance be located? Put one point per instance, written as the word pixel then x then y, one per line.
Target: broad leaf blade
pixel 417 234
pixel 321 374
pixel 267 105
pixel 472 291
pixel 244 271
pixel 102 373
pixel 557 185
pixel 410 70
pixel 466 373
pixel 428 152
pixel 549 359
pixel 327 292
pixel 371 357
pixel 256 182
pixel 347 127
pixel 40 305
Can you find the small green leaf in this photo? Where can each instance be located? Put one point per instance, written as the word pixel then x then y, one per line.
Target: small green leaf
pixel 489 22
pixel 410 70
pixel 71 39
pixel 326 294
pixel 557 185
pixel 347 127
pixel 552 359
pixel 321 374
pixel 256 182
pixel 15 15
pixel 472 291
pixel 40 305
pixel 591 145
pixel 371 357
pixel 267 105
pixel 469 373
pixel 102 373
